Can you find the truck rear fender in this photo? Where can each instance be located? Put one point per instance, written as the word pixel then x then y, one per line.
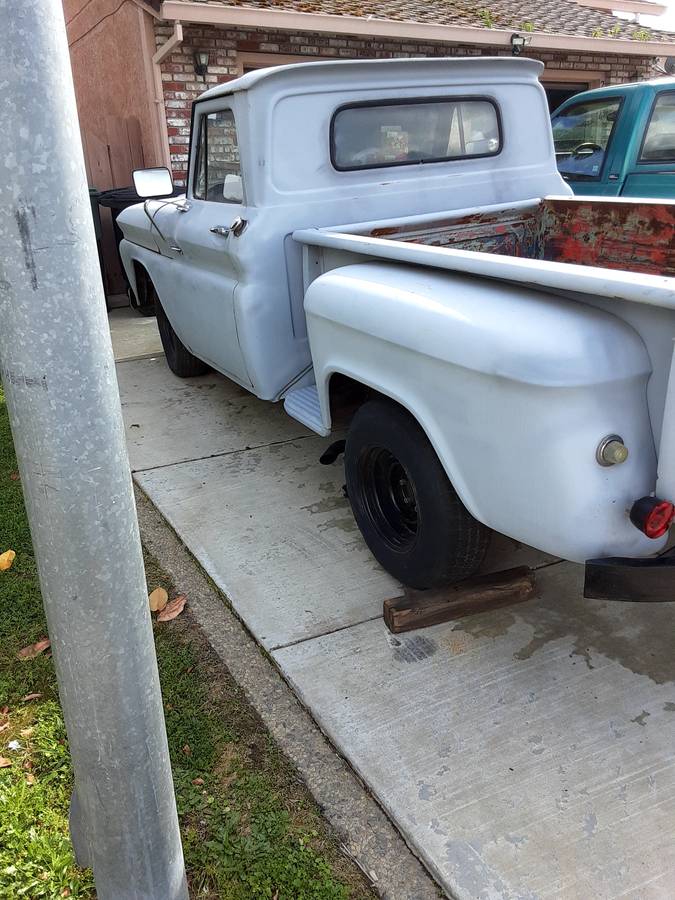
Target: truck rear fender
pixel 514 388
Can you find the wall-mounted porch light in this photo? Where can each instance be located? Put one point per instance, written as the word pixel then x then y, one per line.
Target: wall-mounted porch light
pixel 201 58
pixel 518 43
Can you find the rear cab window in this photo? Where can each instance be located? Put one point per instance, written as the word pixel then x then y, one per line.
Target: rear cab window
pixel 395 133
pixel 582 134
pixel 659 141
pixel 217 174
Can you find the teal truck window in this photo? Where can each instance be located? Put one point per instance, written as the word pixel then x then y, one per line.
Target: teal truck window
pixel 581 134
pixel 659 143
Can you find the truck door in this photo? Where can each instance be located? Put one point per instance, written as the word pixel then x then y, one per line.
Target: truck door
pixel 585 134
pixel 205 241
pixel 652 171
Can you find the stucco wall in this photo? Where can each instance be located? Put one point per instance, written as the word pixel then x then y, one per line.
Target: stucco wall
pixel 231 49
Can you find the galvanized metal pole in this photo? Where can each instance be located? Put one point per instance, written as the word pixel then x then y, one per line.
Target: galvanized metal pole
pixel 59 378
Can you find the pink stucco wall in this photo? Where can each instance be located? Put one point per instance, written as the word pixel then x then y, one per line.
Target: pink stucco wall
pixel 113 82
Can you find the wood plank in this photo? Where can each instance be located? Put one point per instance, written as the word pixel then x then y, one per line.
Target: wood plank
pixel 135 143
pixel 420 609
pixel 118 150
pixel 98 162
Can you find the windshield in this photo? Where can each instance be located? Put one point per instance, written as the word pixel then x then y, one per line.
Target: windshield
pixel 581 134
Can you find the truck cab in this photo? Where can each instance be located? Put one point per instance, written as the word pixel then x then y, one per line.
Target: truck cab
pixel 618 141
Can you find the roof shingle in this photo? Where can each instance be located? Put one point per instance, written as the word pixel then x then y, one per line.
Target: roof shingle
pixel 550 16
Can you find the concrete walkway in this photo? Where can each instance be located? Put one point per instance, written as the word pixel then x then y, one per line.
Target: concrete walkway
pixel 133 336
pixel 522 753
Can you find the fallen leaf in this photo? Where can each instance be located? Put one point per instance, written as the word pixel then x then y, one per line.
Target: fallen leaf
pixel 6 559
pixel 26 732
pixel 35 696
pixel 4 710
pixel 30 779
pixel 14 475
pixel 4 726
pixel 34 649
pixel 187 750
pixel 4 762
pixel 198 781
pixel 158 599
pixel 173 609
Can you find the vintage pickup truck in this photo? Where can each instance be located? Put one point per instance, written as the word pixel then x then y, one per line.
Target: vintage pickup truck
pixel 388 247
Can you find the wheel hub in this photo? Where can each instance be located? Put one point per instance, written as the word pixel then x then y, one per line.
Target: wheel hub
pixel 390 498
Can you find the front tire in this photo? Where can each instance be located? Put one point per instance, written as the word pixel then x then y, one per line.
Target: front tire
pixel 146 308
pixel 408 512
pixel 178 357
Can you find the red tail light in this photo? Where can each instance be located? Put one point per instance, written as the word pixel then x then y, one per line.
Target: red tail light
pixel 652 516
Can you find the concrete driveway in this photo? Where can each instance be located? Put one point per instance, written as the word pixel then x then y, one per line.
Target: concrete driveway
pixel 524 753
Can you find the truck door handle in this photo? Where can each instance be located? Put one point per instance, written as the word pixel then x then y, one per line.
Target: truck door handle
pixel 236 228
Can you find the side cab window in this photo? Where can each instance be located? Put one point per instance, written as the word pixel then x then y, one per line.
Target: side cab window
pixel 659 142
pixel 217 173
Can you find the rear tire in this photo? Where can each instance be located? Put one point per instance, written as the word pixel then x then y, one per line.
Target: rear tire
pixel 409 514
pixel 178 357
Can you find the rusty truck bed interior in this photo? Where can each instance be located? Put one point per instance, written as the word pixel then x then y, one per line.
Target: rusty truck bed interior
pixel 637 236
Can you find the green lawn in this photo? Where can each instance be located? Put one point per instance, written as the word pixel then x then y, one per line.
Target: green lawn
pixel 250 828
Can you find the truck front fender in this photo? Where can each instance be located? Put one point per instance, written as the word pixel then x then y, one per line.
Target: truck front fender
pixel 514 388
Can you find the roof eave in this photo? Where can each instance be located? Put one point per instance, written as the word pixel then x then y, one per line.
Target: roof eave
pixel 286 20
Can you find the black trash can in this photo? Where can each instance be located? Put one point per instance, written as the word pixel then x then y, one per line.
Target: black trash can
pixel 116 200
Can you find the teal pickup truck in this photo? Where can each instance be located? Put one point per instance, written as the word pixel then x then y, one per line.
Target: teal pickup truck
pixel 619 141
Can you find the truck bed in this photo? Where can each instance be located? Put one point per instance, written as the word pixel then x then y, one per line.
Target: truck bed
pixel 613 248
pixel 614 234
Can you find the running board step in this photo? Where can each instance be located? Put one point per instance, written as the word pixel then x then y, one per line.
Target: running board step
pixel 303 404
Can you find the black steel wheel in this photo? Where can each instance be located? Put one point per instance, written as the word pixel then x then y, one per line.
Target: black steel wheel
pixel 389 497
pixel 408 512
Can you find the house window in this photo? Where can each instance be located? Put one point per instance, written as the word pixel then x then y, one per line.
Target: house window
pixel 218 169
pixel 581 134
pixel 370 135
pixel 659 143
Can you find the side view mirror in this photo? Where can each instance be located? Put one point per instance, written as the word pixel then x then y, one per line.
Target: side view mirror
pixel 155 182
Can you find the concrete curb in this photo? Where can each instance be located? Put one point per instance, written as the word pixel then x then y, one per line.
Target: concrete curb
pixel 365 830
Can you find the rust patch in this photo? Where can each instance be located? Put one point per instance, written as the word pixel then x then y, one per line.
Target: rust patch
pixel 637 236
pixel 509 232
pixel 383 232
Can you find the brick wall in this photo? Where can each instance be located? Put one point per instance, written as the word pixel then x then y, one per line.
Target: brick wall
pixel 226 45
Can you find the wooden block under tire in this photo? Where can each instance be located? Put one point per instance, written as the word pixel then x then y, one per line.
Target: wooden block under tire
pixel 420 609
